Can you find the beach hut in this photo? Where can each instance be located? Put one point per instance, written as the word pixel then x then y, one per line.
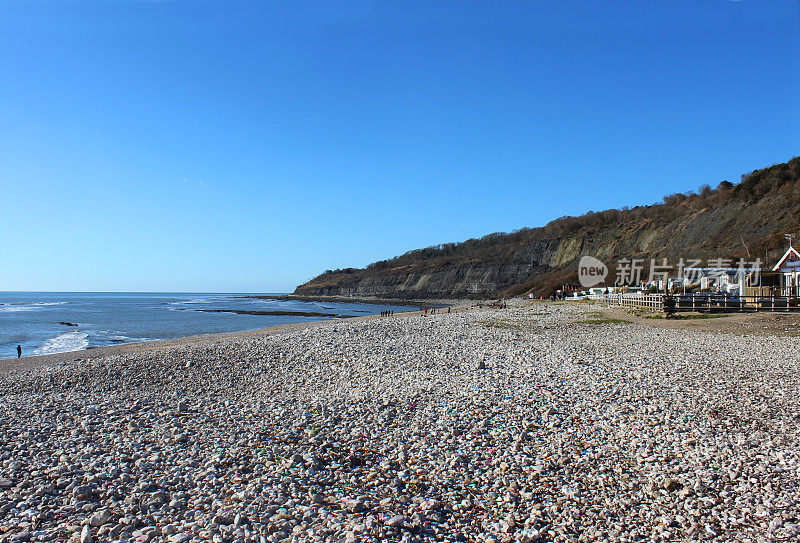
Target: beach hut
pixel 788 268
pixel 732 281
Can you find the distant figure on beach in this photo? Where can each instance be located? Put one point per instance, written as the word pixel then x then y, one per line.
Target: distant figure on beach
pixel 19 351
pixel 448 310
pixel 425 313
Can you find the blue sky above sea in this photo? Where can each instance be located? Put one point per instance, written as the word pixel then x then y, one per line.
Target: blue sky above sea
pixel 247 146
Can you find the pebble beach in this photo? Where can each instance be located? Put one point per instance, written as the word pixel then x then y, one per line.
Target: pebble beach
pixel 527 424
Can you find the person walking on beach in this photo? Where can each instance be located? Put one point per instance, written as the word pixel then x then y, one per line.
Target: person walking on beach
pixel 19 351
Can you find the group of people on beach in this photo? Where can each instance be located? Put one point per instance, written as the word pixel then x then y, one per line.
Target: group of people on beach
pixel 500 304
pixel 432 310
pixel 387 313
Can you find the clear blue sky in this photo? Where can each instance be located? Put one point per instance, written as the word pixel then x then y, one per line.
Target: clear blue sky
pixel 248 146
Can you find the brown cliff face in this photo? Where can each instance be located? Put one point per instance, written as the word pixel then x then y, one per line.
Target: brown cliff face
pixel 722 223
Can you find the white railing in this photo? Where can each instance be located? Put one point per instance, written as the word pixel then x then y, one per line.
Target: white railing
pixel 631 299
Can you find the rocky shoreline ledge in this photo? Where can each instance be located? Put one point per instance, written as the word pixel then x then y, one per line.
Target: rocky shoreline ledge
pixel 274 313
pixel 408 302
pixel 523 424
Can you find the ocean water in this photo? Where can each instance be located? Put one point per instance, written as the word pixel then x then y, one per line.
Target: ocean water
pixel 41 322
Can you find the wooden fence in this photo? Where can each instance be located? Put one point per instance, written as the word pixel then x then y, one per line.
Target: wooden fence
pixel 723 303
pixel 702 302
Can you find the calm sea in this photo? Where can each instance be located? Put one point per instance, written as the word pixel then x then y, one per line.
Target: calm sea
pixel 42 322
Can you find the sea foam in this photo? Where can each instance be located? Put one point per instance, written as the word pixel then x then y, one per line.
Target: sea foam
pixel 63 343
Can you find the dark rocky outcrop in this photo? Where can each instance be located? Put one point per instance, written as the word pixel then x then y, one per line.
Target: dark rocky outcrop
pixel 726 222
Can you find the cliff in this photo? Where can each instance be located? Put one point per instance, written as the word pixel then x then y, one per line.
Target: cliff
pixel 726 222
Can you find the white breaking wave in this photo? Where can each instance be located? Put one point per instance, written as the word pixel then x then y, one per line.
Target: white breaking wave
pixel 63 343
pixel 22 306
pixel 207 300
pixel 17 308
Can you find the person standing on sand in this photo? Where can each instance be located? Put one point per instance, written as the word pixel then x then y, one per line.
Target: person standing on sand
pixel 19 351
